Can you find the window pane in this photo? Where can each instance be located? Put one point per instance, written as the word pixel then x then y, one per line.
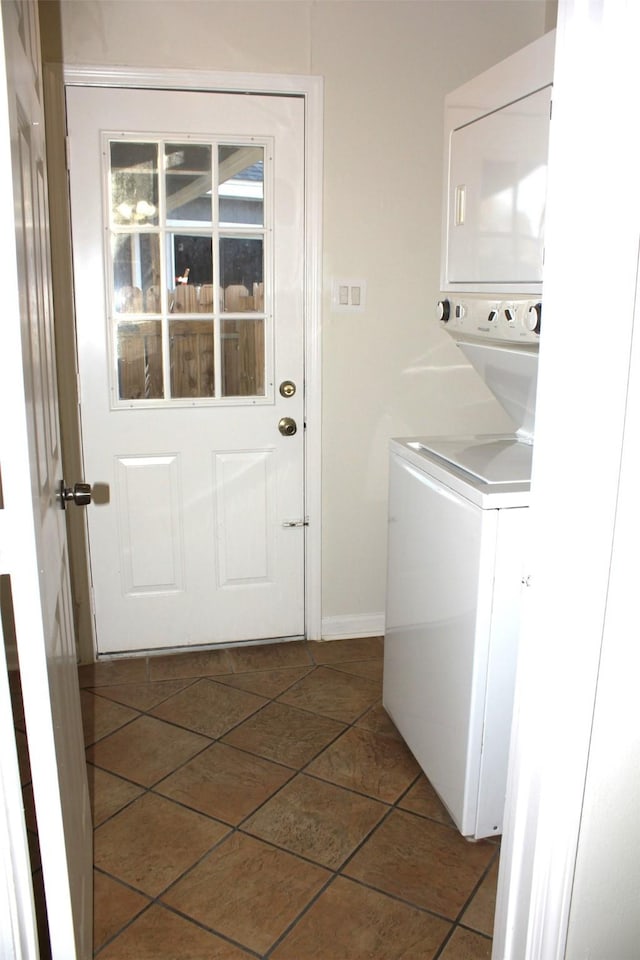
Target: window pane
pixel 188 183
pixel 139 352
pixel 190 259
pixel 136 272
pixel 191 351
pixel 241 184
pixel 191 298
pixel 243 358
pixel 241 272
pixel 134 183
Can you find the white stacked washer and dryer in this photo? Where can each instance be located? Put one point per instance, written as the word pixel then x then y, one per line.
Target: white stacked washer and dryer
pixel 458 506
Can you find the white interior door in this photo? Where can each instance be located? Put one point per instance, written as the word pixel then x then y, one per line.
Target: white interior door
pixel 33 551
pixel 188 244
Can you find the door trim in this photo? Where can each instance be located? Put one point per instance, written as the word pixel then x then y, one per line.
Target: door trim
pixel 311 88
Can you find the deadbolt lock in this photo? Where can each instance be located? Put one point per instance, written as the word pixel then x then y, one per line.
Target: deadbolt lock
pixel 287 388
pixel 287 426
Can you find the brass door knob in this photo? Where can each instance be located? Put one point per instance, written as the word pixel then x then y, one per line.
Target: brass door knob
pixel 287 426
pixel 287 388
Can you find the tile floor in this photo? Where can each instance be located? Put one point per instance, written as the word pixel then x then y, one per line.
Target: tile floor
pixel 258 802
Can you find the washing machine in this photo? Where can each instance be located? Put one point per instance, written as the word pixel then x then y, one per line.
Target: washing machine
pixel 458 519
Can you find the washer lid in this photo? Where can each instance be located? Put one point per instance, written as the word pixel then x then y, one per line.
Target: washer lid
pixel 511 375
pixel 493 459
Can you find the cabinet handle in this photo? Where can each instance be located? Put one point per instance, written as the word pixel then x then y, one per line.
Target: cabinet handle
pixel 460 205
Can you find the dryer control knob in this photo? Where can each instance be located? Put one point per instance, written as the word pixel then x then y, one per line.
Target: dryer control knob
pixel 534 318
pixel 444 310
pixel 493 316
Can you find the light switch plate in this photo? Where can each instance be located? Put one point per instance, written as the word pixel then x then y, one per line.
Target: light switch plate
pixel 348 296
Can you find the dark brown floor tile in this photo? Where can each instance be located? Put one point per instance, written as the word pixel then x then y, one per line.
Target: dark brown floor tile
pixel 225 783
pixel 284 734
pixel 316 820
pixel 152 842
pixel 423 799
pixel 332 694
pixel 267 683
pixel 108 793
pixel 113 906
pixel 466 945
pixel 371 669
pixel 358 648
pixel 367 762
pixel 160 934
pixel 423 862
pixel 146 750
pixel 377 720
pixel 101 717
pixel 143 696
pixel 247 890
pixel 196 663
pixel 480 913
pixel 128 670
pixel 209 708
pixel 350 922
pixel 270 656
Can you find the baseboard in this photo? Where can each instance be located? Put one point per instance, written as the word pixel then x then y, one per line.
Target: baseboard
pixel 353 625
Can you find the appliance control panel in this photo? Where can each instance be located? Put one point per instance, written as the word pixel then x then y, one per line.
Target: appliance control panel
pixel 511 320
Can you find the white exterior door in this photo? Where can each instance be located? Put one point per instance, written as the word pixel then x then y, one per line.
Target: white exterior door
pixel 188 242
pixel 33 548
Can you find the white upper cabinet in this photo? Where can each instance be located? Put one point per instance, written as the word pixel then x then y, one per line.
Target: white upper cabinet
pixel 496 149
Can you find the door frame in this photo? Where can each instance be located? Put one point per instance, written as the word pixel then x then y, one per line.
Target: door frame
pixel 311 88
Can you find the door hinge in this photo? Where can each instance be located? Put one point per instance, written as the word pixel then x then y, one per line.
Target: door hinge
pixel 67 153
pixel 296 523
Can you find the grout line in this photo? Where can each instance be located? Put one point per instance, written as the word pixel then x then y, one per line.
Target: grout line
pixel 398 899
pixel 126 723
pixel 126 925
pixel 211 930
pixel 457 926
pixel 485 874
pixel 294 923
pixel 188 682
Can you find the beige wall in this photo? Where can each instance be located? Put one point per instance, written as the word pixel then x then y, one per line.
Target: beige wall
pixel 387 66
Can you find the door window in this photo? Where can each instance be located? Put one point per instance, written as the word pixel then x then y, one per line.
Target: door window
pixel 189 252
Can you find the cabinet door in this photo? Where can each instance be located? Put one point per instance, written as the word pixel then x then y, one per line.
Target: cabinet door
pixel 497 193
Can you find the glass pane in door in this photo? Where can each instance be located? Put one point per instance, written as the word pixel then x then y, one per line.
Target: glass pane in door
pixel 241 184
pixel 136 272
pixel 133 183
pixel 139 360
pixel 242 355
pixel 190 261
pixel 241 274
pixel 188 178
pixel 192 358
